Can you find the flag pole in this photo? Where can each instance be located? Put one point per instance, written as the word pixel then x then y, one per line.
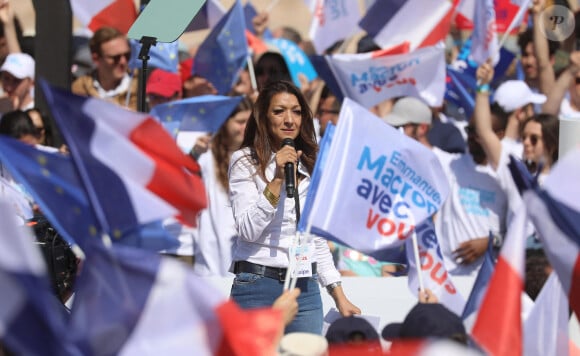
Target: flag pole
pixel 251 71
pixel 272 5
pixel 417 261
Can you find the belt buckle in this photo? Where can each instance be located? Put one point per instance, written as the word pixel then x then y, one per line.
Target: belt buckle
pixel 281 275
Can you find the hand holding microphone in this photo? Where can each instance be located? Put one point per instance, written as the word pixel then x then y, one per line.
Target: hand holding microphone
pixel 289 176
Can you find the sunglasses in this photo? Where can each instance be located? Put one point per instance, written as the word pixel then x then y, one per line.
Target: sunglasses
pixel 117 58
pixel 533 139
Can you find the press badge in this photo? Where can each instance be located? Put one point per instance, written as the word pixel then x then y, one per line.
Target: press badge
pixel 302 254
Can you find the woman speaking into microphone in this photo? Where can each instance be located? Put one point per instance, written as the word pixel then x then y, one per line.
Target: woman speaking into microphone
pixel 279 137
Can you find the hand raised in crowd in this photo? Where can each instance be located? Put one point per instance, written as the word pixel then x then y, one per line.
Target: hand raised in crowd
pixel 6 13
pixel 260 22
pixel 196 86
pixel 288 304
pixel 427 296
pixel 471 250
pixel 202 144
pixel 484 73
pixel 537 6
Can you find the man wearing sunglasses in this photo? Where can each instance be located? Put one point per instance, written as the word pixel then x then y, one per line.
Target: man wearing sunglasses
pixel 110 52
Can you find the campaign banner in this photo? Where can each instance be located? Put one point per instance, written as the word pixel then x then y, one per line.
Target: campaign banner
pixel 369 79
pixel 433 272
pixel 376 184
pixel 296 60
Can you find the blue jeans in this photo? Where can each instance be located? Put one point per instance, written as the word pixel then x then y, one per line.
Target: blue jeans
pixel 254 291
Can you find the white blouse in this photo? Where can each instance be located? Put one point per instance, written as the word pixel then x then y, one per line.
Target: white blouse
pixel 266 233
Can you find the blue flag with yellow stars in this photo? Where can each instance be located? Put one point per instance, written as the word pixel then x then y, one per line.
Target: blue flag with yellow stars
pixel 224 52
pixel 204 113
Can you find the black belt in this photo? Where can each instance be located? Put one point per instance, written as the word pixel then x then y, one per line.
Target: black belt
pixel 270 272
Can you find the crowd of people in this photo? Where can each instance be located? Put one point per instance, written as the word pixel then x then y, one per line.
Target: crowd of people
pixel 247 231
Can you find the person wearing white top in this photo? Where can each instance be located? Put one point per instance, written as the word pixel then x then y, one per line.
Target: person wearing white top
pixel 216 233
pixel 266 217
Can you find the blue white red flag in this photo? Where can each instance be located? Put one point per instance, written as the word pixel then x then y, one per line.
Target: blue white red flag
pixel 480 285
pixel 210 13
pixel 498 328
pixel 420 23
pixel 31 323
pixel 156 305
pixel 333 20
pixel 129 165
pixel 546 327
pixel 376 183
pixel 555 212
pixel 434 274
pixel 94 14
pixel 370 78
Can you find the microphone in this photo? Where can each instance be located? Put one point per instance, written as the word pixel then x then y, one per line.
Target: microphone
pixel 289 171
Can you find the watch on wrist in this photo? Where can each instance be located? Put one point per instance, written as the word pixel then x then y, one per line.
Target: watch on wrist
pixel 331 286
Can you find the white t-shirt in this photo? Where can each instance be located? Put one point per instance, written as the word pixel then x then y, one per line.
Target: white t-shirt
pixel 476 206
pixel 566 110
pixel 216 234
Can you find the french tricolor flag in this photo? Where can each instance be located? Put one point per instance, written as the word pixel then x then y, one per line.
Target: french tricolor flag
pixel 94 14
pixel 134 302
pixel 418 22
pixel 498 328
pixel 555 212
pixel 129 164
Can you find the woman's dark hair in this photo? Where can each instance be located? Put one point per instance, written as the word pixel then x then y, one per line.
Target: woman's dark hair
pixel 273 66
pixel 550 132
pixel 48 135
pixel 17 124
pixel 220 146
pixel 258 135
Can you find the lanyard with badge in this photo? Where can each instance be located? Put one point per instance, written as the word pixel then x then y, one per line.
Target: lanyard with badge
pixel 300 252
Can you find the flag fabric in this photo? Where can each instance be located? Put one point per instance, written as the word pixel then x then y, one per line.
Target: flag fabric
pixel 332 21
pixel 210 13
pixel 130 301
pixel 369 78
pixel 484 43
pixel 29 313
pixel 163 56
pixel 204 113
pixel 460 90
pixel 224 52
pixel 555 212
pixel 498 327
pixel 296 60
pixel 480 285
pixel 56 187
pixel 371 189
pixel 433 271
pixel 129 165
pixel 546 328
pixel 421 23
pixel 505 10
pixel 18 200
pixel 95 14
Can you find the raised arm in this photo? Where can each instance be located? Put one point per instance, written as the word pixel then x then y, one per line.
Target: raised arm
pixel 7 19
pixel 546 76
pixel 482 115
pixel 566 78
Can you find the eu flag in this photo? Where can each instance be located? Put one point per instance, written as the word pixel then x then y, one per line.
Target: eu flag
pixel 53 182
pixel 204 113
pixel 224 52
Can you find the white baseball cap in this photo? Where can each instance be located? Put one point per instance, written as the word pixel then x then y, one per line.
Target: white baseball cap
pixel 514 94
pixel 20 65
pixel 409 110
